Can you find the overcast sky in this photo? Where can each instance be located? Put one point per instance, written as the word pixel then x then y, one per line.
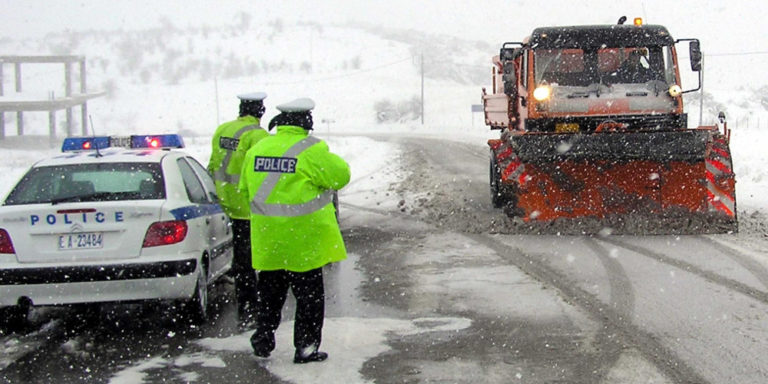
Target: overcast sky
pixel 724 26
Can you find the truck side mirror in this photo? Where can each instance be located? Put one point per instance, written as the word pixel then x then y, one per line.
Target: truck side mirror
pixel 507 54
pixel 695 54
pixel 509 78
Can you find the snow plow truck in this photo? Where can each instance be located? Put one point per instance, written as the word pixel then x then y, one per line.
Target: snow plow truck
pixel 593 132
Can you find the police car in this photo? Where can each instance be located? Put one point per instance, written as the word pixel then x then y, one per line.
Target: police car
pixel 113 219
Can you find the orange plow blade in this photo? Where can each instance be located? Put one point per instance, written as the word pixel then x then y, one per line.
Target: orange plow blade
pixel 651 182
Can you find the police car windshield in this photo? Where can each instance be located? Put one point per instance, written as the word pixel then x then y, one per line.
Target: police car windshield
pixel 89 182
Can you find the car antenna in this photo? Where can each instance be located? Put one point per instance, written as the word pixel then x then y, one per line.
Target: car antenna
pixel 93 131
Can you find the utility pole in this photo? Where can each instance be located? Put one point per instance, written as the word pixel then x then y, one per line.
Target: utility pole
pixel 701 99
pixel 328 123
pixel 216 90
pixel 422 88
pixel 311 48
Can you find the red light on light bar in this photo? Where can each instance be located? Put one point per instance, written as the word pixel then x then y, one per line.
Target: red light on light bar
pixel 86 145
pixel 154 143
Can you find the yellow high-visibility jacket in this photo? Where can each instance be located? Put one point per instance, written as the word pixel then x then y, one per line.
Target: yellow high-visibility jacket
pixel 290 179
pixel 230 143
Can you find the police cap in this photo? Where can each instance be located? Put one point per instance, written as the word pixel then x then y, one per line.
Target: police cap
pixel 254 96
pixel 300 105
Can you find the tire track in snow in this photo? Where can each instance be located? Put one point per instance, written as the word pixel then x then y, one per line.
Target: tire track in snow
pixel 709 276
pixel 622 295
pixel 618 330
pixel 755 268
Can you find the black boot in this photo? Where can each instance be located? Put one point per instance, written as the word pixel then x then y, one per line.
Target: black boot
pixel 299 358
pixel 262 344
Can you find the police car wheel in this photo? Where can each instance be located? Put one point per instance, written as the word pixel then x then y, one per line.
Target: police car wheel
pixel 197 307
pixel 89 313
pixel 13 318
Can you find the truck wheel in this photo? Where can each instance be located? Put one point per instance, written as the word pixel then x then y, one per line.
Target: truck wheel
pixel 497 200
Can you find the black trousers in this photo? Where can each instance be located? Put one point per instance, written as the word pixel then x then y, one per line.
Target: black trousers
pixel 245 276
pixel 308 289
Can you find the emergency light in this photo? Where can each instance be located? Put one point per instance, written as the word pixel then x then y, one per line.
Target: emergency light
pixel 135 141
pixel 85 143
pixel 156 141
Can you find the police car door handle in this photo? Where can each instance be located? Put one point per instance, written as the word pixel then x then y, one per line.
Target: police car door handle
pixel 207 220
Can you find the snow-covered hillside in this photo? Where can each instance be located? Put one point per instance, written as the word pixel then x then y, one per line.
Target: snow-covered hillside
pixel 177 65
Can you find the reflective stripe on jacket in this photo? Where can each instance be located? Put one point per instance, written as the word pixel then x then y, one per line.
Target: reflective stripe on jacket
pixel 290 178
pixel 228 147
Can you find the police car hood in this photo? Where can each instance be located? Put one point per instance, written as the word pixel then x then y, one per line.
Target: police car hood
pixel 79 231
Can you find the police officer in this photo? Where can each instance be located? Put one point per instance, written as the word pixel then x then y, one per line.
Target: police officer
pixel 229 145
pixel 291 178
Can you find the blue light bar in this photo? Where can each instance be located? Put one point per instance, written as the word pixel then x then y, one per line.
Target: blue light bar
pixel 84 143
pixel 157 141
pixel 136 141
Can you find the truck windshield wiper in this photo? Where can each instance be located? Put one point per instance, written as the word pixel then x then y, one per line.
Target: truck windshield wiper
pixel 574 95
pixel 594 87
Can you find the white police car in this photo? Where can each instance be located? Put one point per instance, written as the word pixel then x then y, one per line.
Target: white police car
pixel 104 224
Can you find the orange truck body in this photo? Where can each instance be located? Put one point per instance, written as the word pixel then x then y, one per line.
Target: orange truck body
pixel 600 143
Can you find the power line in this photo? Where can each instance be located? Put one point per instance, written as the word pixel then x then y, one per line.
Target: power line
pixel 343 75
pixel 466 66
pixel 371 69
pixel 737 53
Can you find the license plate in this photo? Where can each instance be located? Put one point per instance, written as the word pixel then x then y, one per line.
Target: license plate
pixel 85 240
pixel 566 127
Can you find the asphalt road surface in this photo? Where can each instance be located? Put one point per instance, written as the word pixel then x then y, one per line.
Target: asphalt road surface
pixel 454 293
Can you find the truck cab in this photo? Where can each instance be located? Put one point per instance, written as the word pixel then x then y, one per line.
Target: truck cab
pixel 589 78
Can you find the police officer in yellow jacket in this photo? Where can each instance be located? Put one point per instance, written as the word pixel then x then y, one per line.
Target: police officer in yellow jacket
pixel 291 178
pixel 230 143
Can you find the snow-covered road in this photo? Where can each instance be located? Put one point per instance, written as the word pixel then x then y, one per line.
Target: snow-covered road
pixel 432 292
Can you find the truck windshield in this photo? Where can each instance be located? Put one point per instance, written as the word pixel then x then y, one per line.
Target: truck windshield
pixel 626 65
pixel 89 182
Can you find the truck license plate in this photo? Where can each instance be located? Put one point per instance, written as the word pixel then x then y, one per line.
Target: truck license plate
pixel 85 240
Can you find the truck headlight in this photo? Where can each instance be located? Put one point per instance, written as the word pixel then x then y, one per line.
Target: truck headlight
pixel 542 92
pixel 675 90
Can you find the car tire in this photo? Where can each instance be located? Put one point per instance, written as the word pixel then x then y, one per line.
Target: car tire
pixel 13 318
pixel 197 307
pixel 88 314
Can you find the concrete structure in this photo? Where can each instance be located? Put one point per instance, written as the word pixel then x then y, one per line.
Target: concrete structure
pixel 68 102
